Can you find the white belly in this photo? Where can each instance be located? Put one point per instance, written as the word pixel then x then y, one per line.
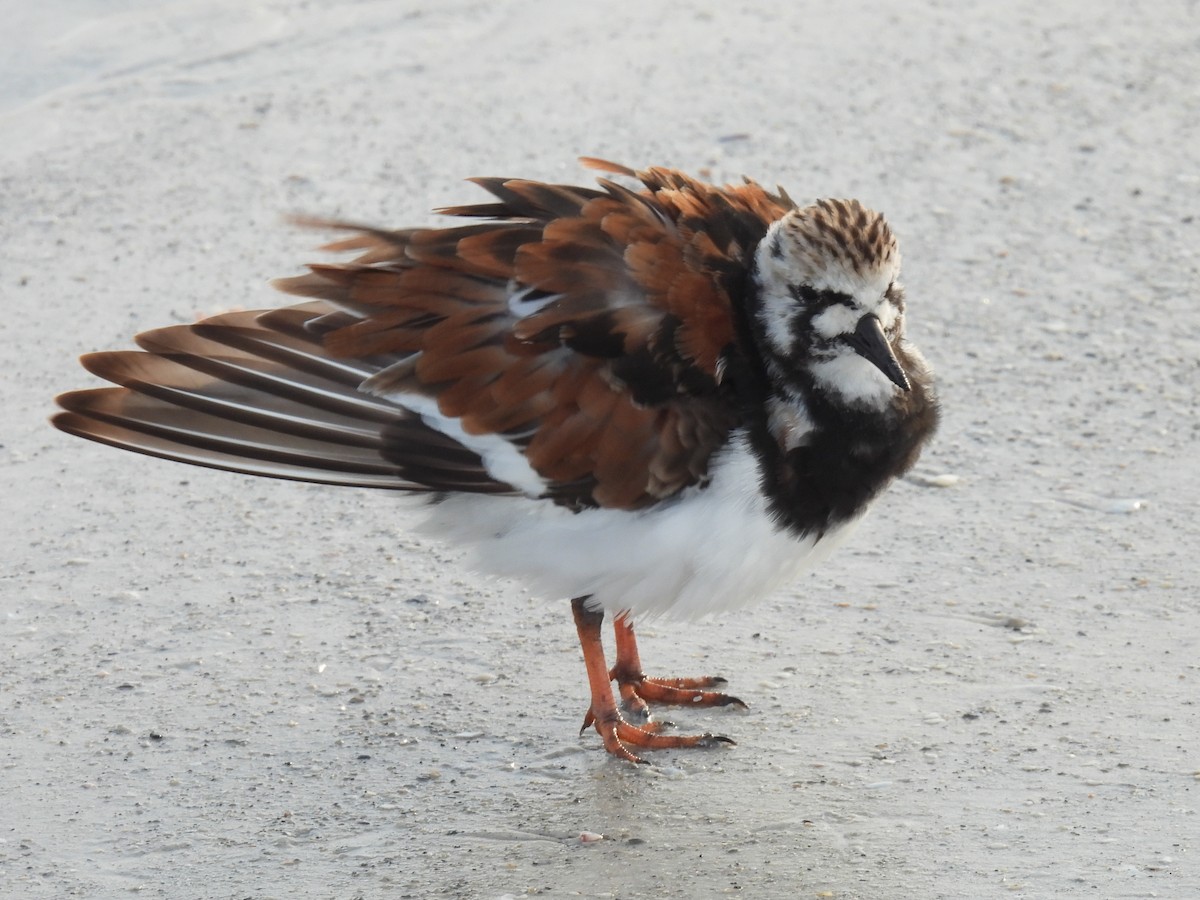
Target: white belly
pixel 711 550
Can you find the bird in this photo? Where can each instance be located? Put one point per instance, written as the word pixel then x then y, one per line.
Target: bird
pixel 653 397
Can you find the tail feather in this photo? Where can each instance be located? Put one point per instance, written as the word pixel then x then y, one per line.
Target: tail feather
pixel 140 442
pixel 257 393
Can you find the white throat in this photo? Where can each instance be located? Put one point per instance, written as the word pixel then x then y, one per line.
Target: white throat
pixel 849 380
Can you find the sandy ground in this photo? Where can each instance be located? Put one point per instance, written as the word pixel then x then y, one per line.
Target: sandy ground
pixel 220 687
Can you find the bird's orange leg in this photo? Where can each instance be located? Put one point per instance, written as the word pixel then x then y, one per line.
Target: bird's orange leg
pixel 637 688
pixel 617 734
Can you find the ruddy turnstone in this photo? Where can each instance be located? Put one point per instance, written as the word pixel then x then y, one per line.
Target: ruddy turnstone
pixel 662 400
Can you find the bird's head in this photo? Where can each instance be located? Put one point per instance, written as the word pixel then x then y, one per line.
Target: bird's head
pixel 830 311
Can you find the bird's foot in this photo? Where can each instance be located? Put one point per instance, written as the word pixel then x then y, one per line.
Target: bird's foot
pixel 619 735
pixel 638 690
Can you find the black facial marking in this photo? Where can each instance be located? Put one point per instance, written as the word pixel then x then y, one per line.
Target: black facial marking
pixel 816 302
pixel 852 454
pixel 805 341
pixel 844 463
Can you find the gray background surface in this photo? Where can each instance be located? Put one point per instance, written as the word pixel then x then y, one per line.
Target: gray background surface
pixel 215 686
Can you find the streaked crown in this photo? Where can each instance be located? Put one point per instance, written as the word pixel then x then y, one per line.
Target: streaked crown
pixel 834 245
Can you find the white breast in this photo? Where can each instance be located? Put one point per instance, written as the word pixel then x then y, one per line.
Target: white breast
pixel 711 550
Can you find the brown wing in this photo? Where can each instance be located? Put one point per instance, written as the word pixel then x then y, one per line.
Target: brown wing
pixel 583 329
pixel 585 326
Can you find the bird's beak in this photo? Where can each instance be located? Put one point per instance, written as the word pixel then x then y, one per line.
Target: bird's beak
pixel 869 342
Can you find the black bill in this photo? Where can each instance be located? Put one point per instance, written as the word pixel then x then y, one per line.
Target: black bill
pixel 871 344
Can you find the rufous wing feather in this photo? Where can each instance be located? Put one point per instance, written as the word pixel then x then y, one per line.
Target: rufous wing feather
pixel 584 327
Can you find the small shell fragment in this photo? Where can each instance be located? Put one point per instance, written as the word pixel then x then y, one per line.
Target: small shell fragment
pixel 1125 506
pixel 589 837
pixel 943 480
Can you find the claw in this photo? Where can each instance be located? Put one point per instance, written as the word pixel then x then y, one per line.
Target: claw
pixel 682 691
pixel 620 735
pixel 637 692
